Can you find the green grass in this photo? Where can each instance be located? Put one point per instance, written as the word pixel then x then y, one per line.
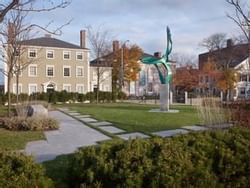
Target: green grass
pixel 136 117
pixel 15 140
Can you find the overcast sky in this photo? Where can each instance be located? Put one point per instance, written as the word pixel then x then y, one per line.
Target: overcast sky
pixel 144 21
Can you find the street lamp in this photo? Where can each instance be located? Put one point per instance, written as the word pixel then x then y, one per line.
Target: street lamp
pixel 122 65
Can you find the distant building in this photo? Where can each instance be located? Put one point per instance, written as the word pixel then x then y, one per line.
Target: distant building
pixel 232 56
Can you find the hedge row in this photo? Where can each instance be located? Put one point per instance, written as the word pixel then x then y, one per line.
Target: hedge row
pixel 19 171
pixel 210 159
pixel 63 96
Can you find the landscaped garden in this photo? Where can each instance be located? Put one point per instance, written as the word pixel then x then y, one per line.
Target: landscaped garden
pixel 136 117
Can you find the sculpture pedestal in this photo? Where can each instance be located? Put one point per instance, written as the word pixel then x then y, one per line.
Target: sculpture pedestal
pixel 164 97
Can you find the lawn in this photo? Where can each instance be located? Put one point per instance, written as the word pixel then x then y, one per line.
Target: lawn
pixel 136 117
pixel 15 140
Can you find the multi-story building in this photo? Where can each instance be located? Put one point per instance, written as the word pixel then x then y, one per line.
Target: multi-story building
pixel 234 57
pixel 53 64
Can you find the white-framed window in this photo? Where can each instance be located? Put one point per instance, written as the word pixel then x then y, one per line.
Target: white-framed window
pixel 32 70
pixel 79 88
pixel 66 55
pixel 32 88
pixel 79 71
pixel 79 56
pixel 16 68
pixel 50 71
pixel 66 71
pixel 32 53
pixel 67 87
pixel 50 54
pixel 20 87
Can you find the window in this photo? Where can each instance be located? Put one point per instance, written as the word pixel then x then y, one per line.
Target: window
pixel 242 91
pixel 67 87
pixel 32 88
pixel 79 71
pixel 66 54
pixel 66 71
pixel 15 88
pixel 50 54
pixel 32 70
pixel 32 53
pixel 79 88
pixel 243 78
pixel 79 56
pixel 50 71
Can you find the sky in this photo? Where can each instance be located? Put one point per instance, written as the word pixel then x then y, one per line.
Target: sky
pixel 143 22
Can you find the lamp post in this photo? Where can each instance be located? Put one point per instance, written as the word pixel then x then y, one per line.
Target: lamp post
pixel 122 65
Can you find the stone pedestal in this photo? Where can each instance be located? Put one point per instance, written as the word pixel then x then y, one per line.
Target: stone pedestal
pixel 164 97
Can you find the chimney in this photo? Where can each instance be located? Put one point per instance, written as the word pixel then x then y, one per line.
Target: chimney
pixel 83 39
pixel 157 54
pixel 11 32
pixel 115 45
pixel 229 43
pixel 47 35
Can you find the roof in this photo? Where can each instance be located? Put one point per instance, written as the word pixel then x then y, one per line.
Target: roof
pixel 106 61
pixel 50 42
pixel 233 55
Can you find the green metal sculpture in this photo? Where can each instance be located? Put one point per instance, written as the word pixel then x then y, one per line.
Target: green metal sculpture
pixel 164 61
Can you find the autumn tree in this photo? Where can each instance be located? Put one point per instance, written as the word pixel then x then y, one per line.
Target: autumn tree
pixel 131 65
pixel 186 78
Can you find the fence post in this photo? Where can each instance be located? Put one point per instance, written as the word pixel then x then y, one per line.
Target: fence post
pixel 186 97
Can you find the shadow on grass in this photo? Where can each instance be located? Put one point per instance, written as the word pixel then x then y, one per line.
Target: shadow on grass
pixel 58 170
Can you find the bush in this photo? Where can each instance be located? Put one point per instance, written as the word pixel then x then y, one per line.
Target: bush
pixel 29 123
pixel 210 159
pixel 18 170
pixel 240 112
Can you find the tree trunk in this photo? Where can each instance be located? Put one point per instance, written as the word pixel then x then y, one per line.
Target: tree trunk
pixel 17 87
pixel 9 97
pixel 98 85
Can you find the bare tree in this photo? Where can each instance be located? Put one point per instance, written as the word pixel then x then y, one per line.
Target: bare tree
pixel 241 15
pixel 214 42
pixel 14 30
pixel 184 59
pixel 28 6
pixel 100 42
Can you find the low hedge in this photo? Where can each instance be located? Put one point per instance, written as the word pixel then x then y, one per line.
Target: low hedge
pixel 210 159
pixel 17 123
pixel 19 171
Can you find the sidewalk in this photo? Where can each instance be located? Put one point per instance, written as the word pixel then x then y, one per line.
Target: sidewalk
pixel 71 135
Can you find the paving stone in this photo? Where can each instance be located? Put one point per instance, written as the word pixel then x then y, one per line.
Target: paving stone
pixel 195 128
pixel 220 126
pixel 71 135
pixel 101 123
pixel 88 120
pixel 170 133
pixel 82 116
pixel 132 135
pixel 74 113
pixel 111 129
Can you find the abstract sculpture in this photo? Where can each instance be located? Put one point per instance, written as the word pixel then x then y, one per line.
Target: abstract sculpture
pixel 162 65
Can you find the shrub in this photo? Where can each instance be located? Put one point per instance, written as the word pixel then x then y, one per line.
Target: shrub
pixel 18 170
pixel 29 123
pixel 209 159
pixel 240 112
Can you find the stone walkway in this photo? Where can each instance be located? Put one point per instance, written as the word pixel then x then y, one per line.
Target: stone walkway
pixel 71 135
pixel 78 130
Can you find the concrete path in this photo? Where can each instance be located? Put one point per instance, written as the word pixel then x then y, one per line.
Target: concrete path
pixel 71 135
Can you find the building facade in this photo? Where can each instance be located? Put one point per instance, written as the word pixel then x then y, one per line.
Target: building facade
pixel 49 64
